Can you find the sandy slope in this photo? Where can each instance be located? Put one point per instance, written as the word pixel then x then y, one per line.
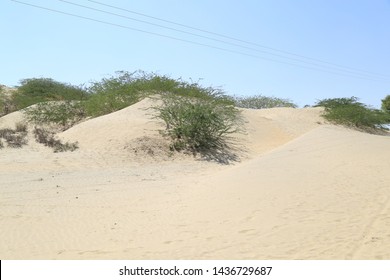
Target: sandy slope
pixel 302 190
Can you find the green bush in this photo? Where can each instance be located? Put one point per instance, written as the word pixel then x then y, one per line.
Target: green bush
pixel 196 124
pixel 35 90
pixel 331 103
pixel 125 88
pixel 3 110
pixel 262 102
pixel 112 94
pixel 386 104
pixel 62 113
pixel 6 103
pixel 350 112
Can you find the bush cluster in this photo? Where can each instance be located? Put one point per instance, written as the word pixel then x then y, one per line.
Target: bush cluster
pixel 36 90
pixel 124 89
pixel 262 102
pixel 64 114
pixel 386 104
pixel 350 112
pixel 198 124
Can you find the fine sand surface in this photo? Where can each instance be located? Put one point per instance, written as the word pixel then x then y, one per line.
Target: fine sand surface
pixel 294 188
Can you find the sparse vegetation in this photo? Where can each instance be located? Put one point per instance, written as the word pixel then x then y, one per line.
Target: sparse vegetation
pixel 15 138
pixel 262 102
pixel 64 114
pixel 6 104
pixel 350 112
pixel 21 127
pixel 48 139
pixel 198 119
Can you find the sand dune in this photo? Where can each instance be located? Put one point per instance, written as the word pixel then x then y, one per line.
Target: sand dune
pixel 302 189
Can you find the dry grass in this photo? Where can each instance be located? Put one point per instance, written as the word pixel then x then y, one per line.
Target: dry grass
pixel 48 139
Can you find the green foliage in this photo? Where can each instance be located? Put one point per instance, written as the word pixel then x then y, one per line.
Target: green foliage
pixel 3 110
pixel 331 103
pixel 6 103
pixel 350 112
pixel 196 124
pixel 124 89
pixel 112 94
pixel 32 91
pixel 262 102
pixel 47 138
pixel 386 104
pixel 62 113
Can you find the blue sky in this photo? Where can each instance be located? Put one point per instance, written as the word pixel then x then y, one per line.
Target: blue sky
pixel 354 34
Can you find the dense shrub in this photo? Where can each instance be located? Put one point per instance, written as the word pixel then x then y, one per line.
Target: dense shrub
pixel 124 89
pixel 197 124
pixel 351 112
pixel 262 102
pixel 112 94
pixel 62 113
pixel 35 90
pixel 386 104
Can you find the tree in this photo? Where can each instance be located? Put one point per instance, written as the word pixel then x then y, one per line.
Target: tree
pixel 386 104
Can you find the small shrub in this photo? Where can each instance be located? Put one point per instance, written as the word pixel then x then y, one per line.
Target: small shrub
pixel 21 127
pixel 197 125
pixel 47 138
pixel 65 114
pixel 14 138
pixel 350 112
pixel 16 141
pixel 5 132
pixel 1 144
pixel 262 102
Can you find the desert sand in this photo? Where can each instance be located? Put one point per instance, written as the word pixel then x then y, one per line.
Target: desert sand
pixel 294 187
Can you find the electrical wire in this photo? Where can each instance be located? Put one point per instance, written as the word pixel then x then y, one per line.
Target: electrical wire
pixel 193 42
pixel 217 40
pixel 240 40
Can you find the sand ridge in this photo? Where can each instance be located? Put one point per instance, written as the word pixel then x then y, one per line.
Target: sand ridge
pixel 302 189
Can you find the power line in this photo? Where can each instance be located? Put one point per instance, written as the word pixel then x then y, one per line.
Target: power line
pixel 189 41
pixel 130 28
pixel 213 39
pixel 240 40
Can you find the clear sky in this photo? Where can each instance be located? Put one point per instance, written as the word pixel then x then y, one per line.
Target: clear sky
pixel 347 41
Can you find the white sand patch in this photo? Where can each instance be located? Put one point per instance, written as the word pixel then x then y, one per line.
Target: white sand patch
pixel 301 190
